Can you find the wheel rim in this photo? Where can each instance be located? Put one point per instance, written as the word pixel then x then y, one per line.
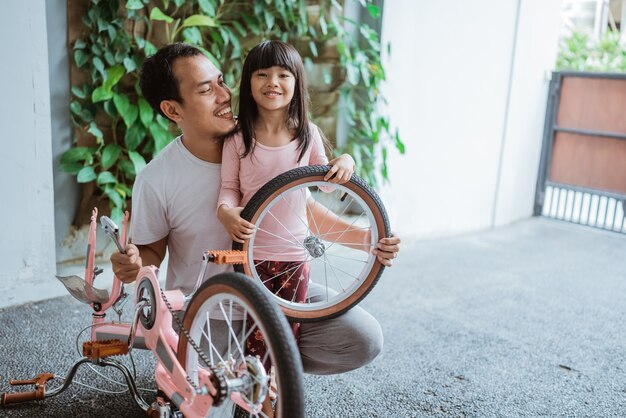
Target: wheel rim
pixel 341 267
pixel 229 314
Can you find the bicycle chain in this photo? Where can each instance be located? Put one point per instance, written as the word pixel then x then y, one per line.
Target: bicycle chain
pixel 221 382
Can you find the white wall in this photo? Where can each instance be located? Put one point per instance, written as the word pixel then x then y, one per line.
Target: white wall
pixel 27 256
pixel 535 54
pixel 466 90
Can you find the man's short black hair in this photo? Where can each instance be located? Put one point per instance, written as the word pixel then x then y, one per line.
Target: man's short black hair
pixel 157 80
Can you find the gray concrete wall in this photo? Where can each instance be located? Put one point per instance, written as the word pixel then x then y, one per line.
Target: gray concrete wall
pixel 27 255
pixel 66 190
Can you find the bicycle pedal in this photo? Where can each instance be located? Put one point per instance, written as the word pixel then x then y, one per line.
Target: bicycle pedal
pixel 96 350
pixel 226 256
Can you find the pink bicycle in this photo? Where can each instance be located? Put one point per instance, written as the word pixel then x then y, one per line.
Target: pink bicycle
pixel 203 370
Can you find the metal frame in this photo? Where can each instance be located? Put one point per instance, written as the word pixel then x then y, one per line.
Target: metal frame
pixel 550 128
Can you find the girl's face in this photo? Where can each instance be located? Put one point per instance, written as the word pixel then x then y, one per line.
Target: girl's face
pixel 273 88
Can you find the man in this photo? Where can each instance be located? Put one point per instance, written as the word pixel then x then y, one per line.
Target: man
pixel 175 196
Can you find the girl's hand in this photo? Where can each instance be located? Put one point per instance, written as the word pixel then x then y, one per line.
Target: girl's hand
pixel 238 228
pixel 341 169
pixel 387 249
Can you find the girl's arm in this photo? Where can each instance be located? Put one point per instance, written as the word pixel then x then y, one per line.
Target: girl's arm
pixel 228 209
pixel 341 168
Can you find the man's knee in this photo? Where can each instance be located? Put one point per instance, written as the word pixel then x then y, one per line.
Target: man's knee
pixel 369 343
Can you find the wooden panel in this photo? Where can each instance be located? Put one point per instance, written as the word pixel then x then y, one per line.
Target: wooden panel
pixel 592 162
pixel 593 103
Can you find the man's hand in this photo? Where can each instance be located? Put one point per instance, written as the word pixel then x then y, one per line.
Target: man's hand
pixel 238 228
pixel 386 250
pixel 341 169
pixel 126 266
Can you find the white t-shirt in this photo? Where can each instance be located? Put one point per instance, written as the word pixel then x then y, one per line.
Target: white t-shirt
pixel 175 195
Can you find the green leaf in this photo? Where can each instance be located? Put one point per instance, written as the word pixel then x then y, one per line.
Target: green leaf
pixel 80 58
pixel 110 154
pixel 210 56
pixel 124 190
pixel 130 64
pixel 134 136
pixel 95 131
pixel 161 137
pixel 106 177
pixel 192 36
pixel 75 108
pixel 122 103
pixel 109 108
pixel 269 20
pixel 138 161
pixel 100 94
pixel 86 174
pixel 131 115
pixel 109 58
pixel 240 29
pixel 134 5
pixel 114 196
pixel 198 20
pixel 158 15
pixel 98 65
pixel 149 49
pixel 117 214
pixel 323 25
pixel 79 44
pixel 146 114
pixel 127 168
pixel 75 154
pixel 112 32
pixel 373 10
pixel 71 168
pixel 114 74
pixel 207 7
pixel 78 92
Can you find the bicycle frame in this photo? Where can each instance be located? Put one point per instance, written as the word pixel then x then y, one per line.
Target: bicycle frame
pixel 151 328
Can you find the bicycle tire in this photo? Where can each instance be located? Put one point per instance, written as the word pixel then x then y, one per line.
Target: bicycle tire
pixel 270 321
pixel 312 177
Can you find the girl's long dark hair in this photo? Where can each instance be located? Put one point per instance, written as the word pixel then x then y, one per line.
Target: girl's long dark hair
pixel 265 55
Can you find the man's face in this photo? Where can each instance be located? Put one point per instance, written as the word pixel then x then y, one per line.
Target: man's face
pixel 206 99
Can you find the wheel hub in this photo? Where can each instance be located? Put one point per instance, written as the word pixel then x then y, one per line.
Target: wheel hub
pixel 248 378
pixel 314 246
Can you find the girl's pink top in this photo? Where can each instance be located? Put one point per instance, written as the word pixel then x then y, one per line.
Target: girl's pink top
pixel 280 236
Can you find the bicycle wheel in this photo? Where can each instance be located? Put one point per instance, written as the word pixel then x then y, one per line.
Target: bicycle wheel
pixel 221 315
pixel 331 229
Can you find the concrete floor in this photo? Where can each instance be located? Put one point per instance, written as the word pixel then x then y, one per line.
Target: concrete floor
pixel 521 321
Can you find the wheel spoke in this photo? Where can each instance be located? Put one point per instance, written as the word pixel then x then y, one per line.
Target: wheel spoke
pixel 231 331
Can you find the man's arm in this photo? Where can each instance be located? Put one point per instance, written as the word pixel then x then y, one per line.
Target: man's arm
pixel 126 266
pixel 323 221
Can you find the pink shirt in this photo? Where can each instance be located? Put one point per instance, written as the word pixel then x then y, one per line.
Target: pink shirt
pixel 276 238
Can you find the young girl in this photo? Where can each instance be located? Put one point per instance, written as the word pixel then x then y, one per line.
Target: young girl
pixel 274 135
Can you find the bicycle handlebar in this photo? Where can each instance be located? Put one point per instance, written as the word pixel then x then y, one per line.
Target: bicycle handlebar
pixel 111 229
